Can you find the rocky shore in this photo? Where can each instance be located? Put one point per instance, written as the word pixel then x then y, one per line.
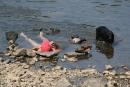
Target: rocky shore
pixel 22 75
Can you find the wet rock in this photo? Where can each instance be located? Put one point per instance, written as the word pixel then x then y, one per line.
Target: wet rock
pixel 30 53
pixel 84 49
pixel 125 67
pixel 7 61
pixel 108 67
pixel 47 54
pixel 11 35
pixel 63 83
pixel 73 54
pixel 20 52
pixel 52 31
pixel 63 59
pixel 72 59
pixel 76 39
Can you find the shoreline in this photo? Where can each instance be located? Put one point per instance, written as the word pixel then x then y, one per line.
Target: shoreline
pixel 22 75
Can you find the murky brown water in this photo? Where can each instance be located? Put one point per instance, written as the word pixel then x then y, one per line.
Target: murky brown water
pixel 70 16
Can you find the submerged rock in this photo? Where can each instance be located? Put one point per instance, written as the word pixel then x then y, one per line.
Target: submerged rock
pixel 11 35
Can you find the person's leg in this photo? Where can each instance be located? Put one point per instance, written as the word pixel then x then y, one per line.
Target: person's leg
pixel 32 42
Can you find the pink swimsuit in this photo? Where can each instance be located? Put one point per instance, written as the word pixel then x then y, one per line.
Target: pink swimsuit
pixel 45 46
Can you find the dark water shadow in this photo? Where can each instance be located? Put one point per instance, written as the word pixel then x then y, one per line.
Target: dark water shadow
pixel 105 48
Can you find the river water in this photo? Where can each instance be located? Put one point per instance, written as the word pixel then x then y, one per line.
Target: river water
pixel 70 16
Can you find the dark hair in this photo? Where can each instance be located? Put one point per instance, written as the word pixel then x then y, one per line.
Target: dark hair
pixel 54 45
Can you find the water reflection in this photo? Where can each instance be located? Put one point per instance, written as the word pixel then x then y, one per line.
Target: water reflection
pixel 105 49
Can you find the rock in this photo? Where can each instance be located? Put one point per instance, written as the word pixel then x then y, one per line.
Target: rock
pixel 125 67
pixel 54 30
pixel 112 84
pixel 72 59
pixel 31 60
pixel 20 52
pixel 58 67
pixel 127 73
pixel 30 53
pixel 76 39
pixel 63 59
pixel 84 49
pixel 47 54
pixel 89 71
pixel 11 35
pixel 26 66
pixel 73 54
pixel 63 82
pixel 94 82
pixel 108 67
pixel 7 61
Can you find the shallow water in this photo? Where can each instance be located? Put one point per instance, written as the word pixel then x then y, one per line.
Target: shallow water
pixel 70 16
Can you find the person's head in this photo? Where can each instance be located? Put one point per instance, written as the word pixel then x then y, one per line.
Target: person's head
pixel 54 44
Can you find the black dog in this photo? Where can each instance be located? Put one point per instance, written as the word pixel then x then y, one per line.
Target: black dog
pixel 104 34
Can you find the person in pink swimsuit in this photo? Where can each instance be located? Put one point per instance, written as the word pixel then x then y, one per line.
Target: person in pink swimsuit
pixel 45 46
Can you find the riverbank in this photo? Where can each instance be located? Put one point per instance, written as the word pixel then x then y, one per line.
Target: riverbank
pixel 22 75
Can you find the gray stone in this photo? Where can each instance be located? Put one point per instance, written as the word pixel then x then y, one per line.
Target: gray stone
pixel 58 67
pixel 93 82
pixel 108 67
pixel 72 59
pixel 30 53
pixel 20 52
pixel 63 83
pixel 7 61
pixel 63 59
pixel 47 54
pixel 73 54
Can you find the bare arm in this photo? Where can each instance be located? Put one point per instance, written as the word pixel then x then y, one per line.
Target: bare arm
pixel 42 37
